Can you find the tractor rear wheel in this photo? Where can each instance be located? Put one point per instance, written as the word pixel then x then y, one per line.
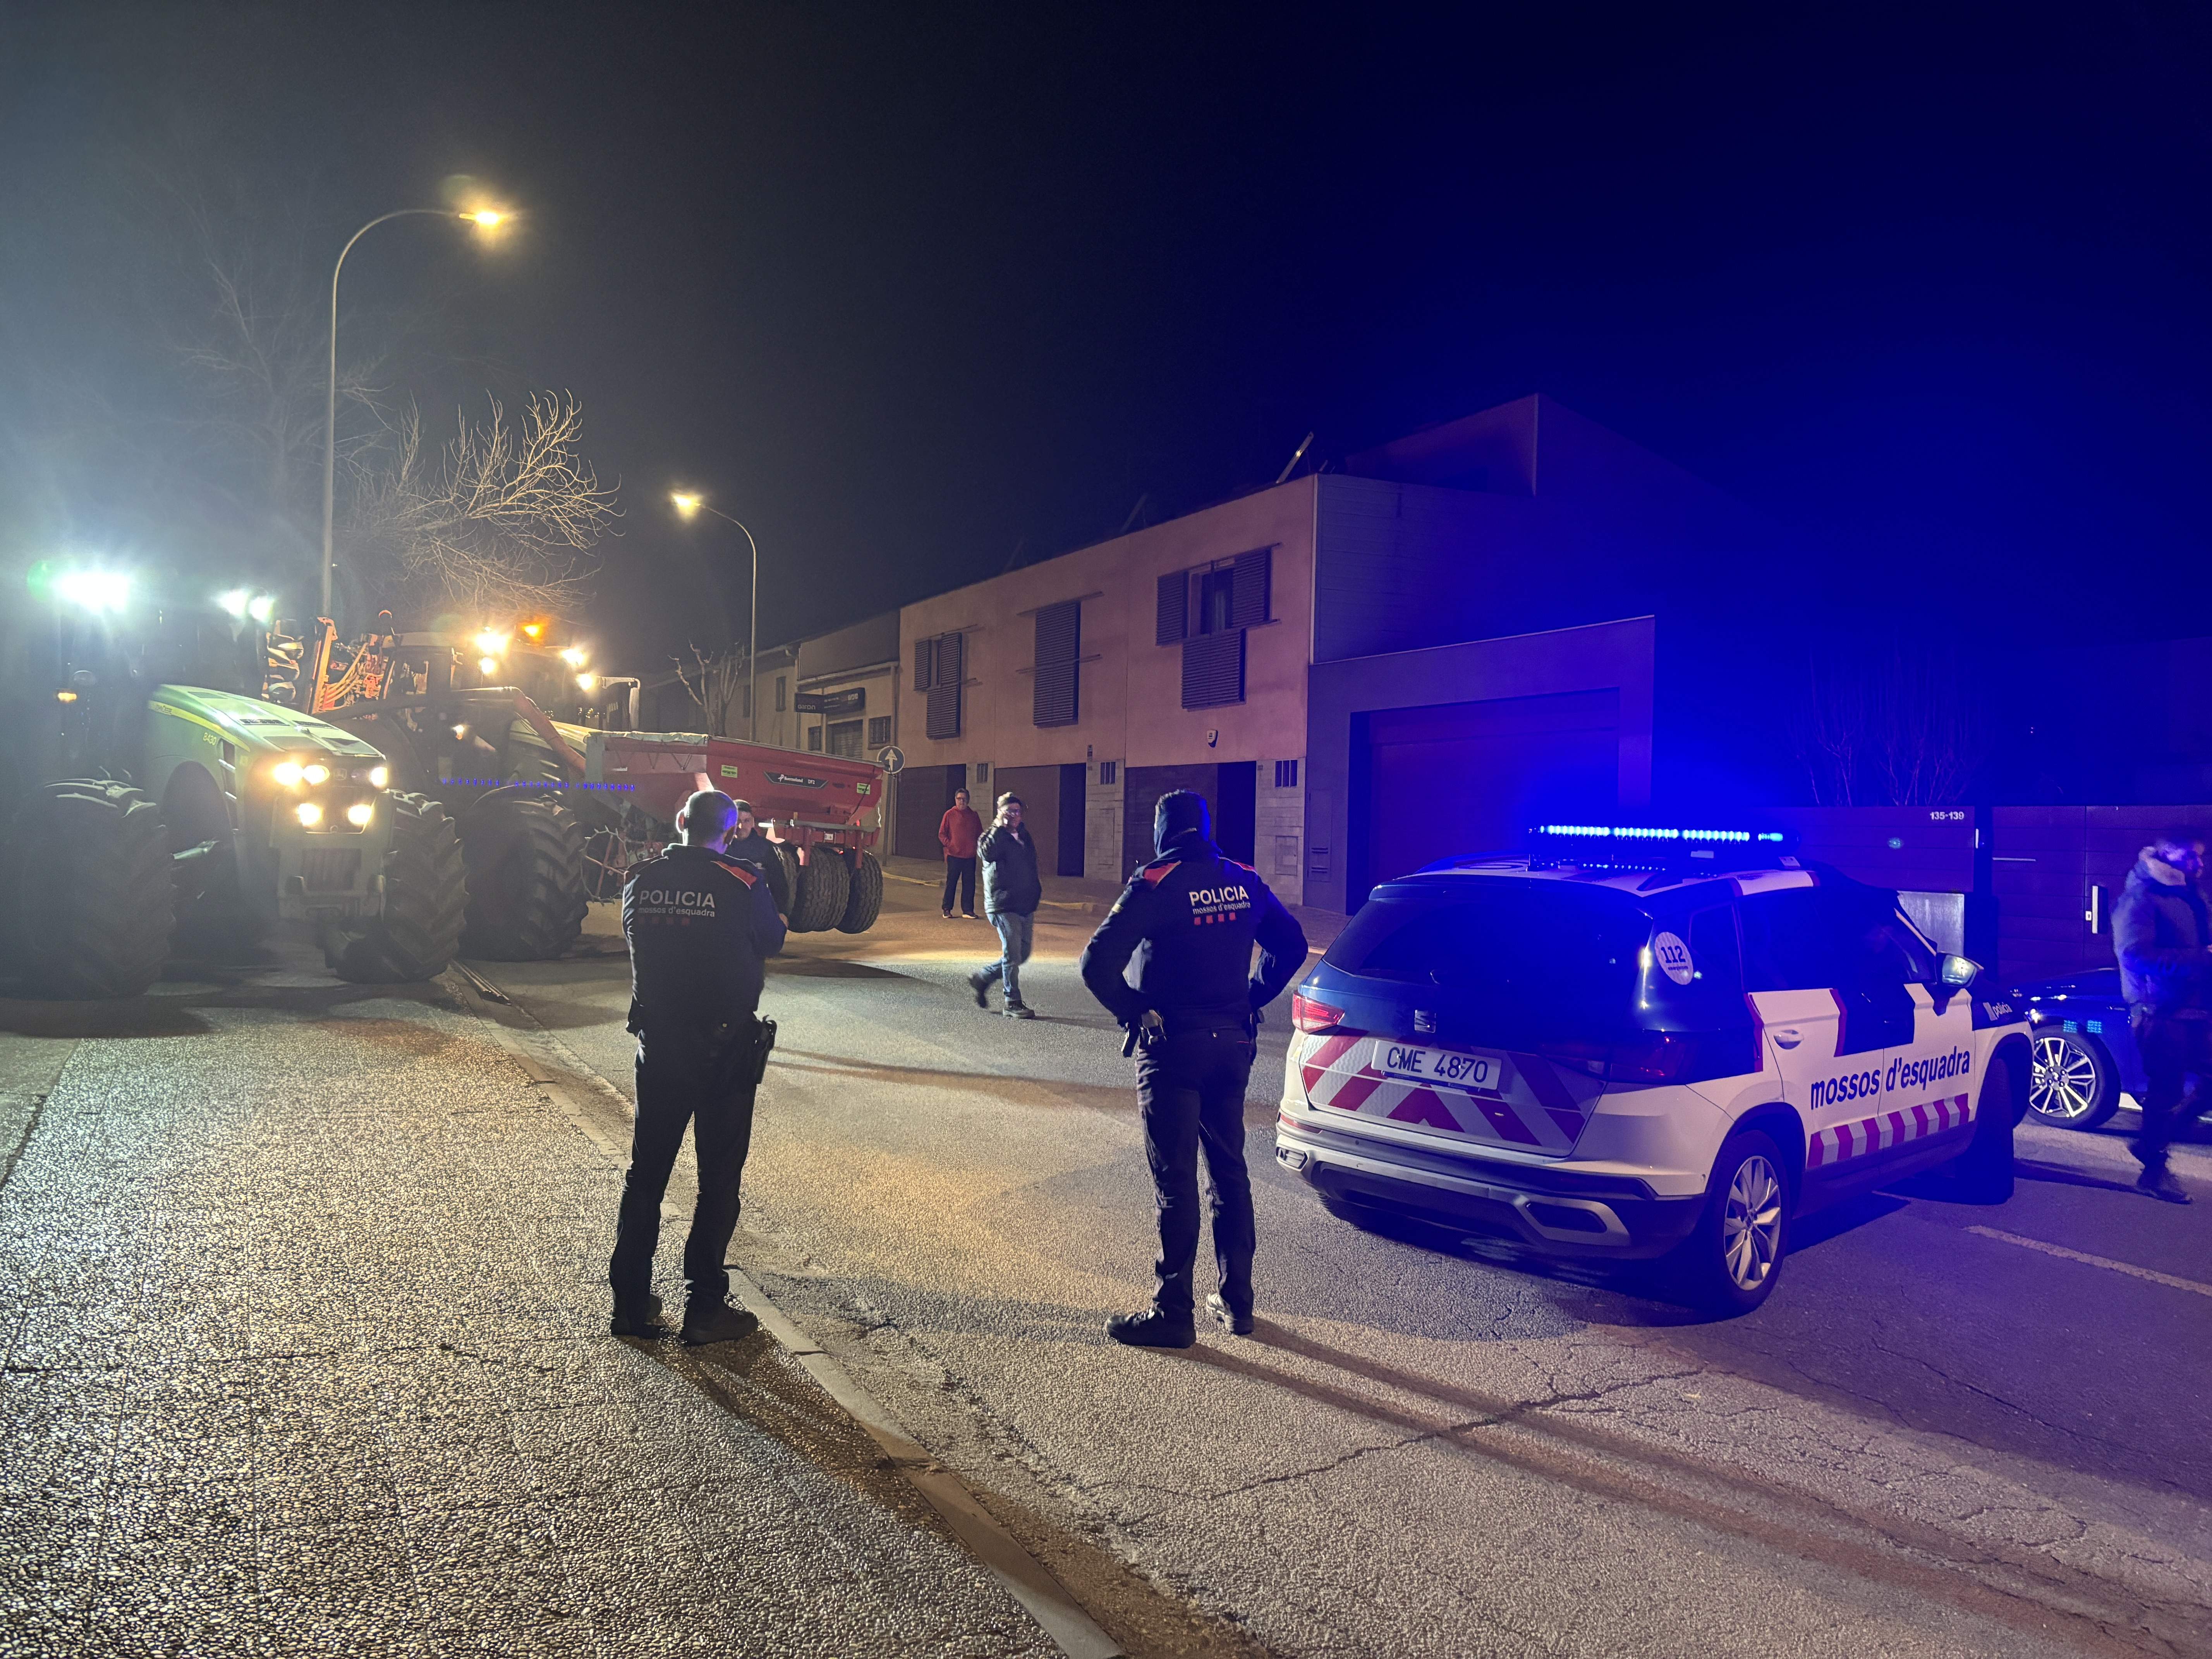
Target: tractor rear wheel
pixel 425 895
pixel 527 895
pixel 88 862
pixel 866 900
pixel 823 885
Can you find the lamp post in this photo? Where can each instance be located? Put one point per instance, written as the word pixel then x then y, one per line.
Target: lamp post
pixel 484 218
pixel 690 504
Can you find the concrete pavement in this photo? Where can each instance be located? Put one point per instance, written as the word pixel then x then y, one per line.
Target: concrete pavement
pixel 302 1301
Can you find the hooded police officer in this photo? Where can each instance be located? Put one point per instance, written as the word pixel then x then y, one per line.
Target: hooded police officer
pixel 1190 918
pixel 700 925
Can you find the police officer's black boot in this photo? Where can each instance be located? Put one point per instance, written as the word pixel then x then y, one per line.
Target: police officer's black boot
pixel 639 1319
pixel 717 1321
pixel 1238 1323
pixel 1152 1329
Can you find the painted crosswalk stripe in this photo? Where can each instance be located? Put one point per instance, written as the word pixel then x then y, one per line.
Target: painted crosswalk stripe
pixel 2127 1268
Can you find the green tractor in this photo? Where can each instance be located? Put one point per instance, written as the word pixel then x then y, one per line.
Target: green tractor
pixel 153 801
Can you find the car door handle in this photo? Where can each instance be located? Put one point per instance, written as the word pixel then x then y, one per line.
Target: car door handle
pixel 1788 1037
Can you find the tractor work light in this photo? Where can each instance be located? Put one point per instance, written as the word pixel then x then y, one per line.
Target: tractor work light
pixel 96 591
pixel 492 643
pixel 379 776
pixel 235 602
pixel 586 681
pixel 574 655
pixel 315 771
pixel 486 666
pixel 309 813
pixel 263 608
pixel 360 813
pixel 288 772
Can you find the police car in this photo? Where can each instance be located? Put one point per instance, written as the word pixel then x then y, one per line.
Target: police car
pixel 1640 1041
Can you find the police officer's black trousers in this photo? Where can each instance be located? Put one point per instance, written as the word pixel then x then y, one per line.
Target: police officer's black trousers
pixel 2171 1046
pixel 682 1080
pixel 1191 1088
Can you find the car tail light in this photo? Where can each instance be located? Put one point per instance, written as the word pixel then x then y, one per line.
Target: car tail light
pixel 1312 1017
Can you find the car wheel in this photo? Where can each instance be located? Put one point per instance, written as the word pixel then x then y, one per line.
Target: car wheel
pixel 2072 1082
pixel 1730 1263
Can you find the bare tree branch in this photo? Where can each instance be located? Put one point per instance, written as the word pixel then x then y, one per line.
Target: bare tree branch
pixel 497 523
pixel 717 684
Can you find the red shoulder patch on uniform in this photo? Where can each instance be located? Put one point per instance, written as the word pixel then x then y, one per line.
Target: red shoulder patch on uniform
pixel 743 872
pixel 1153 874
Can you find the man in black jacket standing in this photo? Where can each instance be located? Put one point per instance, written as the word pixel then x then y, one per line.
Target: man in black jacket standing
pixel 750 842
pixel 1190 918
pixel 2163 939
pixel 700 926
pixel 1012 889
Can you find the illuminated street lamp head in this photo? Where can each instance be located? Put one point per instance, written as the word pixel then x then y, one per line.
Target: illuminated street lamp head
pixel 487 218
pixel 686 503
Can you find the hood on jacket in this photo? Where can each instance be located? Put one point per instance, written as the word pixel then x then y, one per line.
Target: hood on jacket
pixel 2151 868
pixel 1180 820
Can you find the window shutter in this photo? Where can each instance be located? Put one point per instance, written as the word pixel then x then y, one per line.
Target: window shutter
pixel 925 660
pixel 1248 599
pixel 947 671
pixel 1058 643
pixel 1213 669
pixel 1175 607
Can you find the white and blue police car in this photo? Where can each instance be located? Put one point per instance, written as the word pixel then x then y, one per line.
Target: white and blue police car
pixel 1639 1041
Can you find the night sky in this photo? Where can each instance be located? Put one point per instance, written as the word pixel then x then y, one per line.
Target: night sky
pixel 918 291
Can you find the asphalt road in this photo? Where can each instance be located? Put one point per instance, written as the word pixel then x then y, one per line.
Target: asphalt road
pixel 1951 1430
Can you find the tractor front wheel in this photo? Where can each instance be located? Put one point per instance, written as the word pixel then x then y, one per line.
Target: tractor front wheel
pixel 425 894
pixel 89 864
pixel 527 892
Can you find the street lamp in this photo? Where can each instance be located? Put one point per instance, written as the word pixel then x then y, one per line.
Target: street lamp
pixel 689 504
pixel 483 219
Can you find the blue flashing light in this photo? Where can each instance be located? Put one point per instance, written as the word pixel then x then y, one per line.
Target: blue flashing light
pixel 1655 832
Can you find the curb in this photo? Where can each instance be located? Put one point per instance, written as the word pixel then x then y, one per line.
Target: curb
pixel 1027 1579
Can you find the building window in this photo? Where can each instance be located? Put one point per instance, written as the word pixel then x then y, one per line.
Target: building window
pixel 879 730
pixel 780 688
pixel 982 771
pixel 1109 771
pixel 814 740
pixel 1213 669
pixel 844 738
pixel 939 666
pixel 1059 648
pixel 745 700
pixel 1286 774
pixel 1217 595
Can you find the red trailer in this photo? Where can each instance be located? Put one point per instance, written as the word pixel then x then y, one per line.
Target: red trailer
pixel 825 813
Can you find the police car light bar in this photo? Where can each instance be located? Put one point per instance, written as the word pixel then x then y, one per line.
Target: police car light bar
pixel 1646 832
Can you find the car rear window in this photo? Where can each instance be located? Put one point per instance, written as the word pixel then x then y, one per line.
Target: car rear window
pixel 1538 954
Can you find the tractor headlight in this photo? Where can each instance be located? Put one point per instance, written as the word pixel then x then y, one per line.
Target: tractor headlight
pixel 360 813
pixel 316 771
pixel 288 772
pixel 379 776
pixel 309 813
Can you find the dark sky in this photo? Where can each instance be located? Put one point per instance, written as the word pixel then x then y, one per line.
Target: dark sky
pixel 909 288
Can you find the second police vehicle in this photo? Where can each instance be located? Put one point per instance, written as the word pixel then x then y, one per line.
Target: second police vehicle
pixel 1639 1042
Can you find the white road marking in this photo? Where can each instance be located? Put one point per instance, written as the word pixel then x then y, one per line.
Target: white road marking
pixel 2127 1268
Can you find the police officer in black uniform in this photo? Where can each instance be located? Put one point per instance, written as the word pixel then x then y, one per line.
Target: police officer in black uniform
pixel 1190 918
pixel 700 925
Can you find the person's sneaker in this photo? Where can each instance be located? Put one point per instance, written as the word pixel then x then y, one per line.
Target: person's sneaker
pixel 947 915
pixel 2161 1184
pixel 719 1321
pixel 1020 1011
pixel 980 985
pixel 1152 1330
pixel 639 1319
pixel 968 915
pixel 1238 1324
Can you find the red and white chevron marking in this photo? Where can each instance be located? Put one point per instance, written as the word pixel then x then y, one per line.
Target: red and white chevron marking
pixel 1536 1114
pixel 1846 1141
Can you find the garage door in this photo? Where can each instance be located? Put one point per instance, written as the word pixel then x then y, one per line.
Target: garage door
pixel 1470 777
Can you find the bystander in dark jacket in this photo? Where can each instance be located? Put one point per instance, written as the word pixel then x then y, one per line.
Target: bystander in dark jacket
pixel 2163 938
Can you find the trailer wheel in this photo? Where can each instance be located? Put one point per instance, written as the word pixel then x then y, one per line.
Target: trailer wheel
pixel 527 895
pixel 781 872
pixel 866 900
pixel 426 894
pixel 89 864
pixel 823 885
